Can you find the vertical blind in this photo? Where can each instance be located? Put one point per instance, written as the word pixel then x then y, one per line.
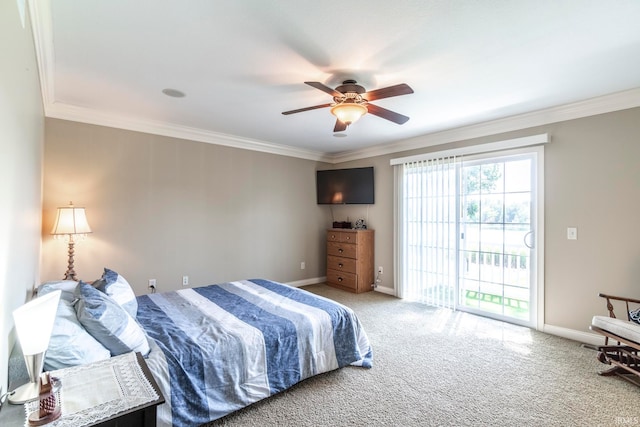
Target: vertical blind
pixel 426 217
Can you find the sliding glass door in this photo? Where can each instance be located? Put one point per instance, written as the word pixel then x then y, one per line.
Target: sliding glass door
pixel 468 233
pixel 497 233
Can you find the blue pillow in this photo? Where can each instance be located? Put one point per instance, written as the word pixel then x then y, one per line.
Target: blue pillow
pixel 119 289
pixel 70 343
pixel 108 322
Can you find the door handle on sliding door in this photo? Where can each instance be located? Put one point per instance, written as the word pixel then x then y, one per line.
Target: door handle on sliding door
pixel 529 234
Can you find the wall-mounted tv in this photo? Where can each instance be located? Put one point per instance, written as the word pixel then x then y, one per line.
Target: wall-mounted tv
pixel 345 186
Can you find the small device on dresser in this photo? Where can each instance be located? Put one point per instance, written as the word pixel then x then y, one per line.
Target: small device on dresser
pixel 350 258
pixel 360 225
pixel 341 224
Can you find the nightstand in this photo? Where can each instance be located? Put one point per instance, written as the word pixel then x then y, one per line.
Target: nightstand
pixel 119 391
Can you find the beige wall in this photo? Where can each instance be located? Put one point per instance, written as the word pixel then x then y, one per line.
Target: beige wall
pixel 592 174
pixel 163 208
pixel 247 214
pixel 21 138
pixel 378 217
pixel 592 182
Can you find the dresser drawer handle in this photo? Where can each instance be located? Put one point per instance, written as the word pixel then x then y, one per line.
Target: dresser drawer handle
pixel 340 265
pixel 340 250
pixel 348 237
pixel 339 279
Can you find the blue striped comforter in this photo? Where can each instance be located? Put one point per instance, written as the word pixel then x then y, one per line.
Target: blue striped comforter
pixel 219 348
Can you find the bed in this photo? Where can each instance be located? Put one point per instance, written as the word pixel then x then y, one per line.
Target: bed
pixel 218 348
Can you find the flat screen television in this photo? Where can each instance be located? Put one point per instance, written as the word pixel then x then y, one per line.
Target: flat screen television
pixel 345 186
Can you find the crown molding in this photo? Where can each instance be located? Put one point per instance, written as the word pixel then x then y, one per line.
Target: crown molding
pixel 600 105
pixel 594 106
pixel 85 115
pixel 590 107
pixel 42 28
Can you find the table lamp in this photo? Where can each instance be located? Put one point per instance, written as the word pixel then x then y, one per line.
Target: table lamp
pixel 34 323
pixel 70 224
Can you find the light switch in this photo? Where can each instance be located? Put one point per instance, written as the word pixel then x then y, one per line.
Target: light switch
pixel 572 233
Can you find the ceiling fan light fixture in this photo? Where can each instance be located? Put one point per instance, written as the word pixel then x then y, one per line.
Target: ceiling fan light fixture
pixel 348 112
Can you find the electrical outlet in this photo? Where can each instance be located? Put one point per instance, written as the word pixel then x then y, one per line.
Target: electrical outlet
pixel 380 270
pixel 152 283
pixel 185 280
pixel 303 265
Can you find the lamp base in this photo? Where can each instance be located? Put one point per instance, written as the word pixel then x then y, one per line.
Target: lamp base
pixel 24 393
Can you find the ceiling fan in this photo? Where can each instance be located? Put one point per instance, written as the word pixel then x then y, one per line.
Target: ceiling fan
pixel 351 101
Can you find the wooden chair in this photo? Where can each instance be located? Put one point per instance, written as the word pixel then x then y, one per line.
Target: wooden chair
pixel 625 355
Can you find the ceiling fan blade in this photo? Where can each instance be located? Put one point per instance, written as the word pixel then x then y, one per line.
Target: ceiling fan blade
pixel 339 127
pixel 387 114
pixel 388 92
pixel 300 110
pixel 324 88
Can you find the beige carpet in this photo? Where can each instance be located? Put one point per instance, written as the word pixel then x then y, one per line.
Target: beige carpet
pixel 440 368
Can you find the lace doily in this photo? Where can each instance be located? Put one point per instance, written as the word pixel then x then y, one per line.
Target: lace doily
pixel 97 391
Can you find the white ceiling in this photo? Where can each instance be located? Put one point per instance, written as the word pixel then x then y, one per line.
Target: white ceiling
pixel 242 62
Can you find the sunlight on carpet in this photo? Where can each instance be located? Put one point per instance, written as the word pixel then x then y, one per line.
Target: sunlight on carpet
pixel 439 367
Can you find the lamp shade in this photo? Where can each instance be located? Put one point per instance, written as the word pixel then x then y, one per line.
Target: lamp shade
pixel 34 322
pixel 71 220
pixel 349 112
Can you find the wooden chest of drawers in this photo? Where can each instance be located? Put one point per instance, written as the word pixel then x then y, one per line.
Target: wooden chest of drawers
pixel 350 258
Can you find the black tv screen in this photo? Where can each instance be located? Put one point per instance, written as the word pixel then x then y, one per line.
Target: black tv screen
pixel 345 186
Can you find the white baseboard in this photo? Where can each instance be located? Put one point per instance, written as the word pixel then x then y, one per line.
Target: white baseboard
pixel 385 290
pixel 316 280
pixel 305 282
pixel 572 334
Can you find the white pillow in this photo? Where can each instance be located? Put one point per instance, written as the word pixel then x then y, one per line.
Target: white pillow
pixel 66 286
pixel 114 285
pixel 70 343
pixel 108 322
